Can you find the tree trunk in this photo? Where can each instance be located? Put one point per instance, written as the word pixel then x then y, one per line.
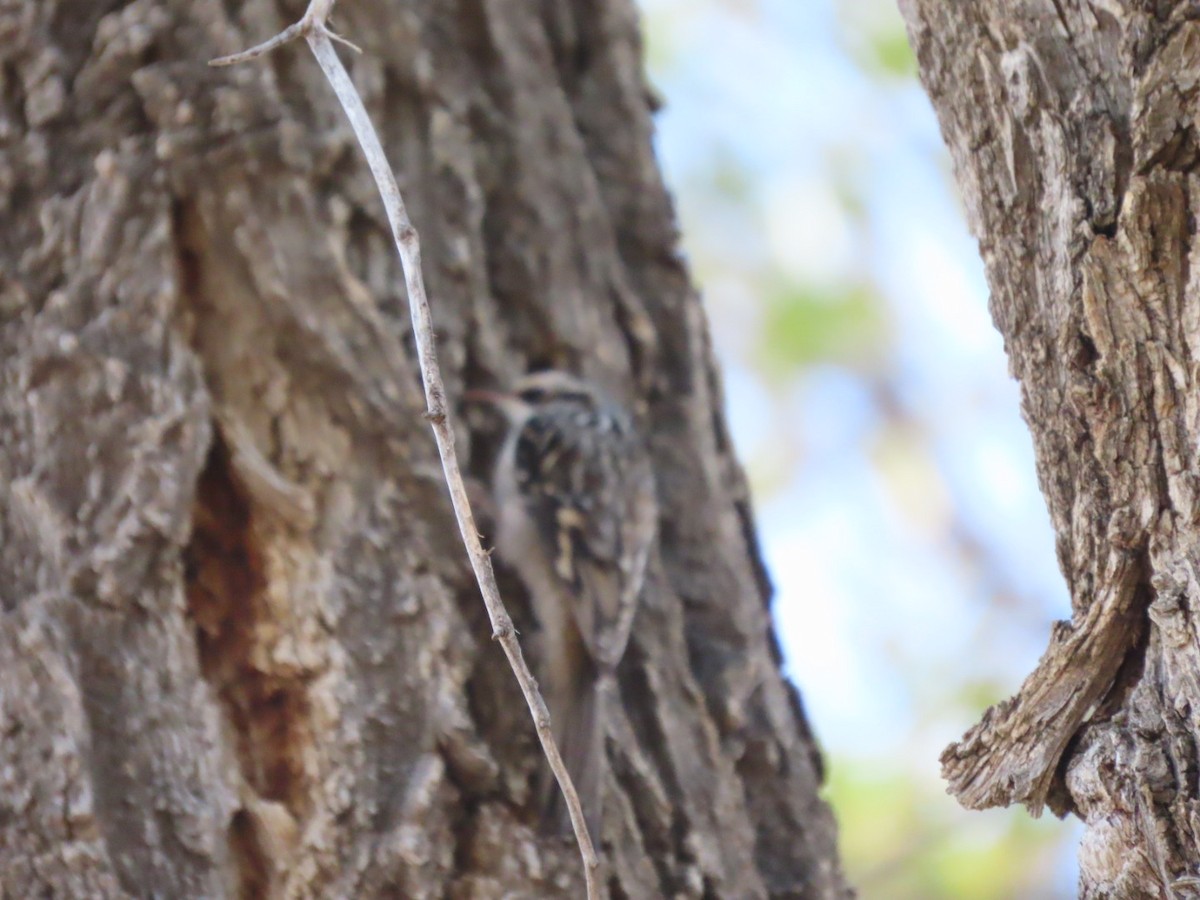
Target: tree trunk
pixel 1073 128
pixel 241 652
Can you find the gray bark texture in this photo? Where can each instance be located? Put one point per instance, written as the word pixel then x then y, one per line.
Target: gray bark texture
pixel 1073 128
pixel 241 651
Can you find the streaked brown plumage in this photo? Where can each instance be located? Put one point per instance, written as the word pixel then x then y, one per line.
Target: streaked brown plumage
pixel 576 515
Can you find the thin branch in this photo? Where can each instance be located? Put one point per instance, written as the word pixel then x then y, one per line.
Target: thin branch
pixel 345 42
pixel 314 30
pixel 317 12
pixel 289 34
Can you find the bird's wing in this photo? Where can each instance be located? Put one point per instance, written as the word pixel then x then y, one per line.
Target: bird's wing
pixel 589 487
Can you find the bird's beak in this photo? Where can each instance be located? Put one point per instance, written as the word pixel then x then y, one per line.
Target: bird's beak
pixel 508 404
pixel 479 395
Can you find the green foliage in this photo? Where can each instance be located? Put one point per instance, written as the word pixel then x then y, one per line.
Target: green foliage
pixel 979 694
pixel 874 35
pixel 890 55
pixel 806 324
pixel 902 838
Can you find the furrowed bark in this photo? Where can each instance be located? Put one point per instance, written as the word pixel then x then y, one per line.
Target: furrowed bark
pixel 241 651
pixel 1073 131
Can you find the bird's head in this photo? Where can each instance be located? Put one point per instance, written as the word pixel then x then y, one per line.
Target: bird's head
pixel 536 390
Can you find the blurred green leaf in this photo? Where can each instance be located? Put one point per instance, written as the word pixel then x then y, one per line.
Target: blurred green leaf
pixel 891 55
pixel 977 695
pixel 895 848
pixel 874 35
pixel 803 325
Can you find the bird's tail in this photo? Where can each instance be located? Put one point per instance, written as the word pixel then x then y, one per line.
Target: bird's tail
pixel 579 730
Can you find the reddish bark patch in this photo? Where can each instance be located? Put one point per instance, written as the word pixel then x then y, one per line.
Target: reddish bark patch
pixel 227 580
pixel 253 864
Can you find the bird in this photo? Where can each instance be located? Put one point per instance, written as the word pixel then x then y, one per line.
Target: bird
pixel 576 516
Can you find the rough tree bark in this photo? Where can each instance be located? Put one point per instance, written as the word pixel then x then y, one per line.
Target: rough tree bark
pixel 1073 127
pixel 241 653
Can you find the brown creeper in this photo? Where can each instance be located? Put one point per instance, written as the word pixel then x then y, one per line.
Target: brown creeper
pixel 576 514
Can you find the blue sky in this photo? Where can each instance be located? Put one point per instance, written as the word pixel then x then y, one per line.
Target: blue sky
pixel 895 485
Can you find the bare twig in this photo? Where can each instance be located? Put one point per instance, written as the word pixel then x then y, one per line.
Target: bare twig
pixel 313 28
pixel 286 36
